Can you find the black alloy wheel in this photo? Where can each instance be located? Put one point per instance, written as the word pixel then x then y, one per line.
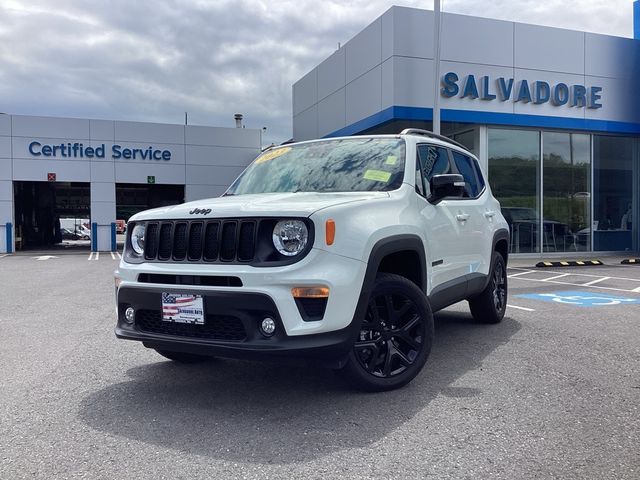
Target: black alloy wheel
pixel 391 335
pixel 499 284
pixel 491 304
pixel 395 336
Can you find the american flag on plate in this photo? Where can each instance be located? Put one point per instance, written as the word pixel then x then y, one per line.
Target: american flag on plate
pixel 182 308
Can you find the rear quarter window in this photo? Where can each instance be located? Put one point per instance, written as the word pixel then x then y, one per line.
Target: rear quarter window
pixel 467 167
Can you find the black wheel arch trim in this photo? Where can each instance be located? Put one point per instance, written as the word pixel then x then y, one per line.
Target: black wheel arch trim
pixel 479 284
pixel 501 234
pixel 394 244
pixel 382 248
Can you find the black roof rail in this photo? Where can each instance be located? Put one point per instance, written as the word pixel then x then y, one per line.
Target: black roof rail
pixel 427 133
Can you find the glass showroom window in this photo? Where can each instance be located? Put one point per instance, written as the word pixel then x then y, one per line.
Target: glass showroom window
pixel 566 187
pixel 613 188
pixel 514 176
pixel 468 139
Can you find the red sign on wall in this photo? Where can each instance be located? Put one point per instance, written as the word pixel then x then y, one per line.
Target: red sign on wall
pixel 51 177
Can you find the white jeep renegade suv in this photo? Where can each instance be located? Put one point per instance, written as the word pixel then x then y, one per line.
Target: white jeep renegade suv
pixel 337 250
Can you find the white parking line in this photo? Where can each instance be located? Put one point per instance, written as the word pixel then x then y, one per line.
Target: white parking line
pixel 97 255
pixel 636 290
pixel 2 256
pixel 521 273
pixel 119 256
pixel 597 280
pixel 90 256
pixel 521 308
pixel 113 257
pixel 557 276
pixel 527 270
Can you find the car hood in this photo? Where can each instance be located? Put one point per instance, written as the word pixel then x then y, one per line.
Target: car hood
pixel 301 204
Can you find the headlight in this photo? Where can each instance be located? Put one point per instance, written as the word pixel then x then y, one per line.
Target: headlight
pixel 137 239
pixel 290 237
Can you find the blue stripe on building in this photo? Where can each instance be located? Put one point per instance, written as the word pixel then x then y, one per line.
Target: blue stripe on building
pixel 488 118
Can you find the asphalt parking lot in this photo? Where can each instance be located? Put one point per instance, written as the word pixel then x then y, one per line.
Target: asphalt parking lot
pixel 551 392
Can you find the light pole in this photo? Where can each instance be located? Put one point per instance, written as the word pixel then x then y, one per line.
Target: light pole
pixel 436 66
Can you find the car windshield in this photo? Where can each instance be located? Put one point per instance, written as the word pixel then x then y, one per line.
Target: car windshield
pixel 345 165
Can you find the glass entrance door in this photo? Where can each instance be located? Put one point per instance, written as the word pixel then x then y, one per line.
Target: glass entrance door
pixel 566 199
pixel 613 187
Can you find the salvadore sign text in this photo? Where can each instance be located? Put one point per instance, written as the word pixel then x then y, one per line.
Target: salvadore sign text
pixel 507 89
pixel 78 150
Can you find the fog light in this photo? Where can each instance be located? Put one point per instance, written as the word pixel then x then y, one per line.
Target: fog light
pixel 129 315
pixel 268 327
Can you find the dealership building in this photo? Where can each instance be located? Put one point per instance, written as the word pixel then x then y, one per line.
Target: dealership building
pixel 553 115
pixel 53 170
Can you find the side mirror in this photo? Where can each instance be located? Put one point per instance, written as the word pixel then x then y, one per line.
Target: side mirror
pixel 447 185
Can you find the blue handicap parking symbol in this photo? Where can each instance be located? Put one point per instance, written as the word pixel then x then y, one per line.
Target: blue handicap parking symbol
pixel 581 299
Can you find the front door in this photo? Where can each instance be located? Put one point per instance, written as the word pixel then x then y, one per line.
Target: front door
pixel 447 261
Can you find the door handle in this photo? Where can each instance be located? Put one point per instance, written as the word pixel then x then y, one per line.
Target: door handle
pixel 489 214
pixel 462 217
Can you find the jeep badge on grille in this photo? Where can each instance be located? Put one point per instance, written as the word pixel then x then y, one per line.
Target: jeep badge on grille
pixel 203 211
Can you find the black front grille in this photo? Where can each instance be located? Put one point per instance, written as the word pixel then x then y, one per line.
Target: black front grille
pixel 164 242
pixel 246 243
pixel 216 327
pixel 180 241
pixel 197 241
pixel 228 242
pixel 207 280
pixel 211 242
pixel 151 246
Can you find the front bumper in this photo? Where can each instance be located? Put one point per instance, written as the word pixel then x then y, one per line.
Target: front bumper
pixel 233 314
pixel 232 328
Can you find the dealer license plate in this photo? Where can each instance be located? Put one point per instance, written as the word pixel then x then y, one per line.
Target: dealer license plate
pixel 182 308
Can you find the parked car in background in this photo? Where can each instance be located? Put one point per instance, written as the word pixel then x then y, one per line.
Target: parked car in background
pixel 83 232
pixel 69 235
pixel 121 226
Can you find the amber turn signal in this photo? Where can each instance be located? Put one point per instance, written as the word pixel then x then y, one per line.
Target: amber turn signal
pixel 310 292
pixel 330 227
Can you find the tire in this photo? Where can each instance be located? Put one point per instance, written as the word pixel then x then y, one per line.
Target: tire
pixel 181 357
pixel 395 336
pixel 490 305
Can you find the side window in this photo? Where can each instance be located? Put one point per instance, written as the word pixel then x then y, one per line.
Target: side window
pixel 479 175
pixel 466 168
pixel 433 161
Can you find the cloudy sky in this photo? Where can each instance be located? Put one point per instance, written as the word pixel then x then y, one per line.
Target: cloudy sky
pixel 152 61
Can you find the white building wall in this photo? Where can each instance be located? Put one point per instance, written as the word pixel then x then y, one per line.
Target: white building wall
pixel 204 159
pixel 390 64
pixel 228 150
